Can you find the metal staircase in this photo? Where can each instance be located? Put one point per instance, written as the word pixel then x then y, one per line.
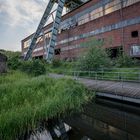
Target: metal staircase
pixel 56 23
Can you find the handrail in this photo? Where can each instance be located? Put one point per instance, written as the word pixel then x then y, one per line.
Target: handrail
pixel 107 75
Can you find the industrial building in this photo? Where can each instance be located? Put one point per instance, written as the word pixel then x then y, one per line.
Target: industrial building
pixel 115 22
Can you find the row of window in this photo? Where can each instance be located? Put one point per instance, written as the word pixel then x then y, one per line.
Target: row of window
pixel 134 34
pixel 104 10
pixel 99 12
pixel 40 39
pixel 108 8
pixel 134 50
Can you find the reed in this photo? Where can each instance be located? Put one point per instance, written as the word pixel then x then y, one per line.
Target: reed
pixel 27 100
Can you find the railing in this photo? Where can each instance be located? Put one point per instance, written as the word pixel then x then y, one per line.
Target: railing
pixel 131 75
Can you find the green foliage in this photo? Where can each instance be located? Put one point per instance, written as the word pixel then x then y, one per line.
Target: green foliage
pixel 63 68
pixel 125 61
pixel 26 102
pixel 95 57
pixel 13 59
pixel 56 63
pixel 33 67
pixel 14 63
pixel 12 76
pixel 10 54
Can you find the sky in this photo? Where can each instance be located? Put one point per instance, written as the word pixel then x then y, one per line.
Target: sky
pixel 18 19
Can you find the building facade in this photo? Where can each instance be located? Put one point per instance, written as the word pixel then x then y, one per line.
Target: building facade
pixel 115 22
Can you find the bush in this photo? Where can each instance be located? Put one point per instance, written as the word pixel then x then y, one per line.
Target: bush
pixel 33 67
pixel 14 62
pixel 56 63
pixel 125 61
pixel 96 57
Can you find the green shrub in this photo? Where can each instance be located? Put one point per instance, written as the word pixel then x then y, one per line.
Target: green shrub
pixel 33 67
pixel 95 57
pixel 56 63
pixel 125 61
pixel 14 62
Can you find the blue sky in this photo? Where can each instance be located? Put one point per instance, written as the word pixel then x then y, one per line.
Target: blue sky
pixel 18 19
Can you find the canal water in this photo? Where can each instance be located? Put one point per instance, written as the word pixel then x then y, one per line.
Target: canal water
pixel 104 119
pixel 101 119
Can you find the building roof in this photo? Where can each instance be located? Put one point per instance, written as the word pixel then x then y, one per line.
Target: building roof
pixel 3 58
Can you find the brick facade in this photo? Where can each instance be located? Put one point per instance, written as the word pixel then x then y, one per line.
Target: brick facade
pixel 115 28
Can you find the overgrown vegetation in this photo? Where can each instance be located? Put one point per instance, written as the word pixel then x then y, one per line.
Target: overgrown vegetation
pixel 33 67
pixel 13 76
pixel 26 101
pixel 126 61
pixel 61 67
pixel 13 59
pixel 95 57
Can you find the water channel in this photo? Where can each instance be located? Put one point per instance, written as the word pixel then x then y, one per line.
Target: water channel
pixel 105 119
pixel 101 119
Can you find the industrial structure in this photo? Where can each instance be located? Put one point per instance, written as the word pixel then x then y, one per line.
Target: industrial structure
pixel 115 22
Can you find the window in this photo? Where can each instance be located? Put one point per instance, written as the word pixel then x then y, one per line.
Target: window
pixel 27 43
pixel 65 25
pixel 40 39
pixel 48 35
pixel 129 2
pixel 113 52
pixel 112 6
pixel 135 50
pixel 57 51
pixel 83 19
pixel 134 34
pixel 96 13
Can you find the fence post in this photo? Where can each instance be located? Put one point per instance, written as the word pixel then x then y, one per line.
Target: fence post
pixel 139 77
pixel 89 74
pixel 96 79
pixel 102 73
pixel 73 74
pixel 122 79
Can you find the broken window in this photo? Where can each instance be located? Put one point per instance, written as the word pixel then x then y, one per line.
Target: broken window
pixel 57 51
pixel 114 52
pixel 134 34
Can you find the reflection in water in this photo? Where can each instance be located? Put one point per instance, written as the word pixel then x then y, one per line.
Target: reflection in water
pixel 106 120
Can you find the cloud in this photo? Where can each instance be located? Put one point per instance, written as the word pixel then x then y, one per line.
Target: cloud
pixel 18 19
pixel 22 12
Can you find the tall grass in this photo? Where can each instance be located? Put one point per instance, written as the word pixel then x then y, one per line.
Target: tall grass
pixel 26 101
pixel 12 76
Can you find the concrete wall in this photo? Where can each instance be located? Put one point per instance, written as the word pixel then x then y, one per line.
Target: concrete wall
pixel 3 67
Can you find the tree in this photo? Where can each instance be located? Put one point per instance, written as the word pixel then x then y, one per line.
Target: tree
pixel 95 57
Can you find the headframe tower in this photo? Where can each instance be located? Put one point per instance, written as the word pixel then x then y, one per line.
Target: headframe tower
pixel 70 5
